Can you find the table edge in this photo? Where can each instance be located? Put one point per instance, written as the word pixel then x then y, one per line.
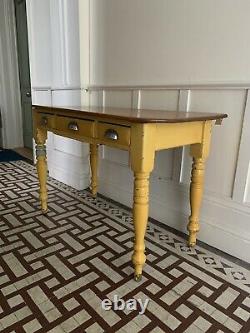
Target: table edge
pixel 213 116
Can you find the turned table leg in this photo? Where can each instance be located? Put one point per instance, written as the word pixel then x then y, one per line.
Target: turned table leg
pixel 199 152
pixel 93 157
pixel 41 165
pixel 196 191
pixel 142 155
pixel 140 218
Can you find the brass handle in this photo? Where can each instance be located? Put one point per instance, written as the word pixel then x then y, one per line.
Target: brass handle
pixel 111 134
pixel 73 126
pixel 44 121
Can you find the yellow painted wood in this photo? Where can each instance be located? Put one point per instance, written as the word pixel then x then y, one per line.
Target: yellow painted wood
pixel 202 149
pixel 94 168
pixel 140 219
pixel 46 120
pixel 199 152
pixel 85 127
pixel 178 134
pixel 41 164
pixel 196 190
pixel 123 133
pixel 142 148
pixel 142 163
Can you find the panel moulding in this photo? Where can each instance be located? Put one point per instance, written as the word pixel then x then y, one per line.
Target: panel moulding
pixel 241 181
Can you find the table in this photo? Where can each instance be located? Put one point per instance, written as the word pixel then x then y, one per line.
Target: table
pixel 142 133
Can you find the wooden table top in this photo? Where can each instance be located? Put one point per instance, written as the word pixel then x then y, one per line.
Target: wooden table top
pixel 133 115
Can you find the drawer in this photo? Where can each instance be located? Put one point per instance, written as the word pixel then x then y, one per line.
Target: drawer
pixel 115 134
pixel 75 127
pixel 46 120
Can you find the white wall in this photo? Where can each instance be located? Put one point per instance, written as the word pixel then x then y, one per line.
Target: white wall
pixel 53 27
pixel 168 41
pixel 10 100
pixel 39 31
pixel 190 55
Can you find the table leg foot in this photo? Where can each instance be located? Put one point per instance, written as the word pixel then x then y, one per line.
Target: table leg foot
pixel 43 198
pixel 192 237
pixel 191 244
pixel 138 259
pixel 137 277
pixel 44 211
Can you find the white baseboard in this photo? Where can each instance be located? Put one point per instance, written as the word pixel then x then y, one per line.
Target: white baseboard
pixel 222 225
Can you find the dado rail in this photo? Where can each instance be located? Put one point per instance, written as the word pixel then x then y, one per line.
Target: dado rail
pixel 142 133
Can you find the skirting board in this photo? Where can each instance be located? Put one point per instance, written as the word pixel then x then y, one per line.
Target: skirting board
pixel 222 226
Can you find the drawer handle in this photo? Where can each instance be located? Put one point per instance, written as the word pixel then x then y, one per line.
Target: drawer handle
pixel 111 134
pixel 44 121
pixel 73 126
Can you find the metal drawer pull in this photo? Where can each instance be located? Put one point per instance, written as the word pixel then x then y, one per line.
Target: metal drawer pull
pixel 44 121
pixel 73 126
pixel 111 134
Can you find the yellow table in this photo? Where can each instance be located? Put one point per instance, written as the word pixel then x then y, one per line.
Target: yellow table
pixel 142 133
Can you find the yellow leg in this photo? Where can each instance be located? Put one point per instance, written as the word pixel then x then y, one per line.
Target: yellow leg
pixel 196 191
pixel 142 154
pixel 140 218
pixel 94 168
pixel 199 152
pixel 42 168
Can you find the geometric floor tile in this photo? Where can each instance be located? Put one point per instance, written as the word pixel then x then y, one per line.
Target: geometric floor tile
pixel 56 270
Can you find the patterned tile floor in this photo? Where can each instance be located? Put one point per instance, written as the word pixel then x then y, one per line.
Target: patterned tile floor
pixel 55 270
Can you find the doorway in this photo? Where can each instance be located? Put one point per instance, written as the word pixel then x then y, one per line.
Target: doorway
pixel 24 71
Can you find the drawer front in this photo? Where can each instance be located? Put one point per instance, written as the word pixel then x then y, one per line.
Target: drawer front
pixel 75 127
pixel 114 134
pixel 46 120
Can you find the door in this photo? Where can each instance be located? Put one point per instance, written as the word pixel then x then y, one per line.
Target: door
pixel 24 70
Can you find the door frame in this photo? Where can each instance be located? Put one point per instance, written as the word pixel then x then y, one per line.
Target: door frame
pixel 10 97
pixel 22 42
